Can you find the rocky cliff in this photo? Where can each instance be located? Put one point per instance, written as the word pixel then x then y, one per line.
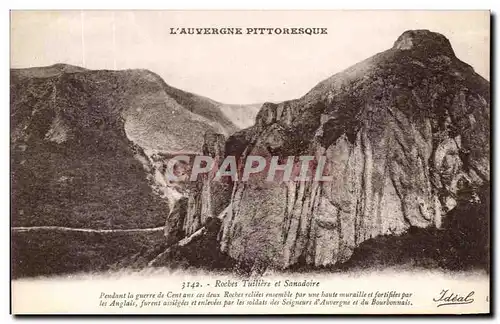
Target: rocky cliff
pixel 404 133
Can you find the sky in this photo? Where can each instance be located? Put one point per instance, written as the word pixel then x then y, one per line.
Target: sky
pixel 235 69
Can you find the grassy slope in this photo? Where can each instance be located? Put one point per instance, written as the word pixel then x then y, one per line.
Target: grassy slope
pixel 47 252
pixel 73 165
pixel 89 178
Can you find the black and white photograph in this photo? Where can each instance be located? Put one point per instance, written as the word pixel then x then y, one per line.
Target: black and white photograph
pixel 250 162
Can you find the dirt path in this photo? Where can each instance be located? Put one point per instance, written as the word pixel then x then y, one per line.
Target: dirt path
pixel 86 230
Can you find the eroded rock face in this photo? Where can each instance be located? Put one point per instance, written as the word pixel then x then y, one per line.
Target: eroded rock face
pixel 205 200
pixel 403 132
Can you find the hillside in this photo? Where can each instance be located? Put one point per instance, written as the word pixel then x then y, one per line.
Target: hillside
pixel 83 144
pixel 406 135
pixel 242 116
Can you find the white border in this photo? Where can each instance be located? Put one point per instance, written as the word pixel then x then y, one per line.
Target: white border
pixel 191 4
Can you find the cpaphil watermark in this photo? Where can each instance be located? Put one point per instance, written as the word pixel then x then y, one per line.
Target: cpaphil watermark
pixel 272 169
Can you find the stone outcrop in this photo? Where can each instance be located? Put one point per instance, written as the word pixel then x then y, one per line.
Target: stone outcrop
pixel 403 133
pixel 206 199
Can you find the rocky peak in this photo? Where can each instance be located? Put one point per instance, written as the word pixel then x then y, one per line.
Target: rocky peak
pixel 393 129
pixel 430 43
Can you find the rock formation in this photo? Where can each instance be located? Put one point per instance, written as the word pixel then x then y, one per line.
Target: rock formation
pixel 403 132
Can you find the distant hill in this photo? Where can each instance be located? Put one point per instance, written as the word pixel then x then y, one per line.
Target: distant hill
pixel 82 143
pixel 242 116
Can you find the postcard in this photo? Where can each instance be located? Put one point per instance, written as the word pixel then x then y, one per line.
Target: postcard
pixel 250 162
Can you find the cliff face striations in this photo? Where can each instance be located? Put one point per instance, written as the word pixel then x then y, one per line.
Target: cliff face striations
pixel 404 132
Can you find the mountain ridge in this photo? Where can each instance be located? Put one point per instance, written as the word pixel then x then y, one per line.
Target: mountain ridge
pixel 405 132
pixel 61 112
